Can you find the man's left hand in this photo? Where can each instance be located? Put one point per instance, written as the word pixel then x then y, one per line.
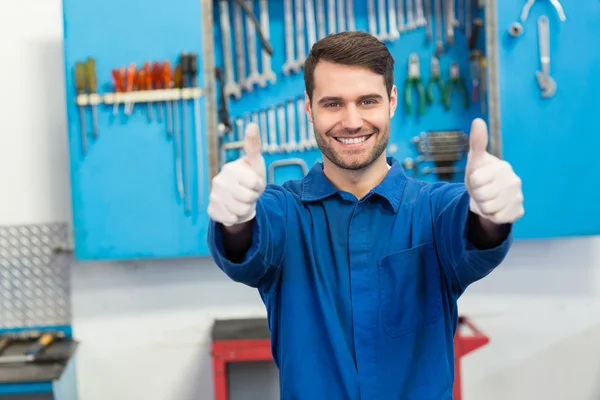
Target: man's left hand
pixel 494 188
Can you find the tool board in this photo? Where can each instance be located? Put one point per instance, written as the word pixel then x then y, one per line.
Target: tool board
pixel 126 195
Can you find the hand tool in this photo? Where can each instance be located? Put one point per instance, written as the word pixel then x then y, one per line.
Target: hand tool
pixel 455 80
pixel 419 14
pixel 460 5
pixel 350 15
pixel 442 171
pixel 264 132
pixel 428 28
pixel 341 17
pixel 80 89
pixel 290 64
pixel 468 9
pixel 45 340
pixel 292 143
pixel 193 81
pixel 239 126
pixel 181 187
pixel 273 146
pixel 285 162
pixel 331 16
pixel 131 76
pixel 321 28
pixel 450 22
pixel 516 29
pixel 400 15
pixel 184 62
pixel 439 41
pixel 394 33
pixel 434 79
pixel 119 83
pixel 147 85
pixel 474 57
pixel 92 88
pixel 262 36
pixel 168 84
pixel 300 44
pixel 253 76
pixel 312 139
pixel 442 157
pixel 267 74
pixel 410 15
pixel 383 32
pixel 283 146
pixel 483 84
pixel 303 144
pixel 545 81
pixel 372 18
pixel 157 83
pixel 414 79
pixel 310 23
pixel 240 55
pixel 231 87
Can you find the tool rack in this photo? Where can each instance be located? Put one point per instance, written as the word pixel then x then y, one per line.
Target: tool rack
pixel 125 202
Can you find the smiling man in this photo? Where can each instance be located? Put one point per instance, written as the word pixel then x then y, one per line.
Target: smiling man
pixel 359 266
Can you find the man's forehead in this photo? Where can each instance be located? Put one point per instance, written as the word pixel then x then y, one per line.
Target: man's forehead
pixel 346 81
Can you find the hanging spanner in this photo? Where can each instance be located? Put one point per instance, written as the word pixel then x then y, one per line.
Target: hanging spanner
pixel 290 62
pixel 253 76
pixel 450 22
pixel 400 15
pixel 292 143
pixel 420 15
pixel 300 44
pixel 321 28
pixel 310 23
pixel 303 144
pixel 264 132
pixel 350 15
pixel 273 146
pixel 231 87
pixel 341 18
pixel 283 146
pixel 394 33
pixel 240 54
pixel 439 40
pixel 331 16
pixel 428 28
pixel 381 11
pixel 372 18
pixel 267 75
pixel 545 81
pixel 410 15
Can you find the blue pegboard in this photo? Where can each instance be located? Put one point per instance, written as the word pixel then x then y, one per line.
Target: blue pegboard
pixel 552 143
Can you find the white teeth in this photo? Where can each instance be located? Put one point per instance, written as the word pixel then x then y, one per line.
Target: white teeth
pixel 352 140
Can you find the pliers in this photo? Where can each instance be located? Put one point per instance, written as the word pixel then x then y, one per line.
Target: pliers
pixel 435 78
pixel 455 80
pixel 414 79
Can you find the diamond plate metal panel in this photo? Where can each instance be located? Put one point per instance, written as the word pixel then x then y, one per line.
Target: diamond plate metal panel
pixel 35 278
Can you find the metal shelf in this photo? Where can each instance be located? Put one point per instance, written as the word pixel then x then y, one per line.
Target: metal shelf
pixel 142 96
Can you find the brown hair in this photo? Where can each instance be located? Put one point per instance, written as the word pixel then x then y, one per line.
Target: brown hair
pixel 350 48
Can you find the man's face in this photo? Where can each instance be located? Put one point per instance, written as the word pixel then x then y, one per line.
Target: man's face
pixel 351 114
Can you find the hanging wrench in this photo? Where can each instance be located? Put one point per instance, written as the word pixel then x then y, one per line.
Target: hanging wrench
pixel 264 132
pixel 254 76
pixel 350 15
pixel 372 18
pixel 428 29
pixel 383 33
pixel 545 81
pixel 300 44
pixel 331 16
pixel 283 146
pixel 273 146
pixel 321 19
pixel 468 9
pixel 341 20
pixel 240 55
pixel 290 63
pixel 291 125
pixel 304 144
pixel 310 23
pixel 268 75
pixel 450 22
pixel 410 16
pixel 231 87
pixel 420 16
pixel 394 32
pixel 400 15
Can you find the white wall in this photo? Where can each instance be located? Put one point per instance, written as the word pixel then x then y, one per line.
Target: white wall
pixel 145 326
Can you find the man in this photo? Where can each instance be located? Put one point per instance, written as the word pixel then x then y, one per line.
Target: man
pixel 359 266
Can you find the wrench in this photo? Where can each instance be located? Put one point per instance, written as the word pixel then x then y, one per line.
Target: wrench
pixel 254 76
pixel 468 9
pixel 545 81
pixel 439 40
pixel 383 33
pixel 290 63
pixel 283 146
pixel 350 15
pixel 331 16
pixel 268 75
pixel 420 17
pixel 394 32
pixel 300 46
pixel 304 144
pixel 273 146
pixel 311 133
pixel 240 56
pixel 291 125
pixel 400 15
pixel 372 18
pixel 310 23
pixel 321 19
pixel 450 21
pixel 410 16
pixel 341 21
pixel 264 132
pixel 231 87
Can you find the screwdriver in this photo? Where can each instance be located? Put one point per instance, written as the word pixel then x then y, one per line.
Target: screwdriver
pixel 168 82
pixel 147 85
pixel 92 87
pixel 129 87
pixel 193 70
pixel 158 84
pixel 119 79
pixel 80 88
pixel 183 75
pixel 180 186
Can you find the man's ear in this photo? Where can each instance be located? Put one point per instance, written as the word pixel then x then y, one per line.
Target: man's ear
pixel 393 101
pixel 307 107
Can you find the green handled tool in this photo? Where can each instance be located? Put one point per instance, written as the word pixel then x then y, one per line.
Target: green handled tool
pixel 414 79
pixel 455 80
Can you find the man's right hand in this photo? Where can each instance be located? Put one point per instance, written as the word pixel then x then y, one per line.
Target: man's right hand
pixel 236 188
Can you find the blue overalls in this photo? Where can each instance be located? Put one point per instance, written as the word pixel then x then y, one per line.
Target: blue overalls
pixel 361 294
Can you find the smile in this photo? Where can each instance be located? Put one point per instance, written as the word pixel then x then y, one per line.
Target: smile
pixel 353 140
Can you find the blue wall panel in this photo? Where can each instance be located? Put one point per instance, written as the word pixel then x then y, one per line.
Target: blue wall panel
pixel 553 143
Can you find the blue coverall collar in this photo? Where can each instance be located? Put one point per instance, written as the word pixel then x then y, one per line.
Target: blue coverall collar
pixel 317 186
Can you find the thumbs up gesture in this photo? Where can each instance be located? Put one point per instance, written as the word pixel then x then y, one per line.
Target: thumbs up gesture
pixel 493 186
pixel 236 188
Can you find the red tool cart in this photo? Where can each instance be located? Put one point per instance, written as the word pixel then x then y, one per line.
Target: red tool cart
pixel 239 340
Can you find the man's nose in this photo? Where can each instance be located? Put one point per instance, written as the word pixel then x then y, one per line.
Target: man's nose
pixel 352 120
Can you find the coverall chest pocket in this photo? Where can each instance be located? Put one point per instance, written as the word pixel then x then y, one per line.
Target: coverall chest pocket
pixel 410 290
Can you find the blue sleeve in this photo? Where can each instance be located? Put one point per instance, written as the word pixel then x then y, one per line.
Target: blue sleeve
pixel 461 261
pixel 264 258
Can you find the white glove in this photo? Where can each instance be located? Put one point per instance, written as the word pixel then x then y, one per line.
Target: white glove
pixel 236 188
pixel 493 186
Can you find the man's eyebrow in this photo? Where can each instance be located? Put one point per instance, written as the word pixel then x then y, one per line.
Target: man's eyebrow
pixel 328 99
